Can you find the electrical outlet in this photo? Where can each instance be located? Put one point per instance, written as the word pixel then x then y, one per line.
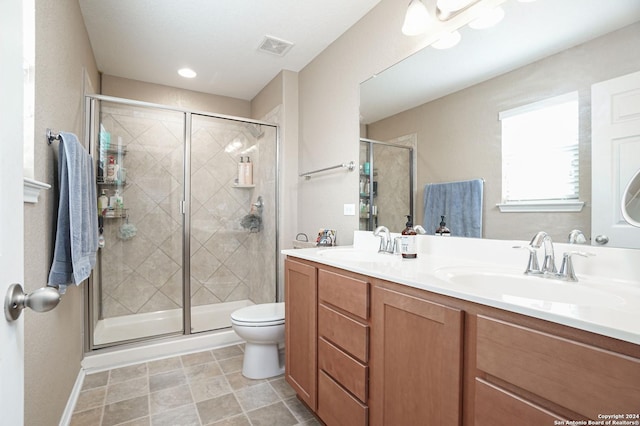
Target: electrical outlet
pixel 349 209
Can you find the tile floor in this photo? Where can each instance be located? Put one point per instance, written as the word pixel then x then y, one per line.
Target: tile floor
pixel 204 388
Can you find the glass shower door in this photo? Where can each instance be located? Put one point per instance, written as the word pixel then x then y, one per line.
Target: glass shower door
pixel 232 223
pixel 136 291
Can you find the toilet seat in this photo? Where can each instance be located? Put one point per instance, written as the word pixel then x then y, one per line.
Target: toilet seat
pixel 261 315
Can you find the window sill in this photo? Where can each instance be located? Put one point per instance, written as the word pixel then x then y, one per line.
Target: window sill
pixel 32 190
pixel 567 206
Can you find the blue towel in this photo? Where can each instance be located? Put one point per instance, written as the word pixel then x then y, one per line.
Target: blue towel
pixel 460 202
pixel 74 253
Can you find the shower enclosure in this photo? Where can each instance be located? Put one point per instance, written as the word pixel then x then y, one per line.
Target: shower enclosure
pixel 175 257
pixel 386 184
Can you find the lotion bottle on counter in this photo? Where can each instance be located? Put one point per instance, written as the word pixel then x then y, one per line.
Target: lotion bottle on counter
pixel 442 230
pixel 409 243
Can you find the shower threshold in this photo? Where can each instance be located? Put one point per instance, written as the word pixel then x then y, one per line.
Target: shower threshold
pixel 130 327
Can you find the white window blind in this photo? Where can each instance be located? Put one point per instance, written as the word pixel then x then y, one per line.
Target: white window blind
pixel 540 159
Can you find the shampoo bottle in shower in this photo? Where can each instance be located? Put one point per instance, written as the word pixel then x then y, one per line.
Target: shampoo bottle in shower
pixel 241 172
pixel 409 243
pixel 248 172
pixel 103 202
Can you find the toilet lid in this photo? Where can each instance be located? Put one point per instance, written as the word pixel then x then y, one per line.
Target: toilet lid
pixel 261 313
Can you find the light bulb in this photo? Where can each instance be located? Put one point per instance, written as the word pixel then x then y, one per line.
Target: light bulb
pixel 416 20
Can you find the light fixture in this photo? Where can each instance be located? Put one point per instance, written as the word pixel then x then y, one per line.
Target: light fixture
pixel 487 18
pixel 453 5
pixel 187 72
pixel 416 20
pixel 447 40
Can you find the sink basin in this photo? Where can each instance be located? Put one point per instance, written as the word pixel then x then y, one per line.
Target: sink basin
pixel 514 287
pixel 355 255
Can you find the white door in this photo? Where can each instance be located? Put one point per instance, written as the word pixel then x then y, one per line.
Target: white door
pixel 11 209
pixel 615 121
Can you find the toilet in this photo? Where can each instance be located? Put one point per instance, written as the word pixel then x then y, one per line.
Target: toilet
pixel 262 327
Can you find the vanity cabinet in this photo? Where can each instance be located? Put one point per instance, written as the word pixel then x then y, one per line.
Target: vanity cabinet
pixel 416 360
pixel 361 351
pixel 572 379
pixel 300 330
pixel 343 348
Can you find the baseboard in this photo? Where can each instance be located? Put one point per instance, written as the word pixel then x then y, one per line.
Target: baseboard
pixel 107 359
pixel 65 420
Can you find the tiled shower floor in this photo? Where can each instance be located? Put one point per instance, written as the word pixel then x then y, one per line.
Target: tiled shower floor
pixel 205 388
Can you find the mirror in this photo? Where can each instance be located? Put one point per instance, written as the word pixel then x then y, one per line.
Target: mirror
pixel 386 183
pixel 450 99
pixel 630 204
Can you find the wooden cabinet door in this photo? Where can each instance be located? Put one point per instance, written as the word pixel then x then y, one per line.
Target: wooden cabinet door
pixel 416 361
pixel 301 330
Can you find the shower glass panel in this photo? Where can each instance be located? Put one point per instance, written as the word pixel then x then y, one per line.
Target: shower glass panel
pixel 136 290
pixel 386 185
pixel 232 225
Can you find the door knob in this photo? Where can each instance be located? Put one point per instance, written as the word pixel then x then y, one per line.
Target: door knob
pixel 42 300
pixel 602 239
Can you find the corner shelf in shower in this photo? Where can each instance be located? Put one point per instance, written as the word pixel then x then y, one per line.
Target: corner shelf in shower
pixel 235 185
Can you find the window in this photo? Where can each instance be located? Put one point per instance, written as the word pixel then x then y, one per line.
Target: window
pixel 540 158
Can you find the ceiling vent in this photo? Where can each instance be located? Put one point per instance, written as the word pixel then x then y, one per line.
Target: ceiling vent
pixel 275 46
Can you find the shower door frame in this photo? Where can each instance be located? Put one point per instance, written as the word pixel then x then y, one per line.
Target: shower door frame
pixel 370 158
pixel 90 135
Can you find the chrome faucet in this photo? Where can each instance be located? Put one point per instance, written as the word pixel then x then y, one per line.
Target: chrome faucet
pixel 577 237
pixel 419 229
pixel 549 262
pixel 548 269
pixel 386 243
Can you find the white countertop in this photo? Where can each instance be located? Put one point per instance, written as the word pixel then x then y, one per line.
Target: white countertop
pixel 607 295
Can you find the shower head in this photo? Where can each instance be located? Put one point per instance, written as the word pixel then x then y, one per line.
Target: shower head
pixel 254 129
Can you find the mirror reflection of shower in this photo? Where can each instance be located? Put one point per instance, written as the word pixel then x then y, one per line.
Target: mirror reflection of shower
pixel 179 193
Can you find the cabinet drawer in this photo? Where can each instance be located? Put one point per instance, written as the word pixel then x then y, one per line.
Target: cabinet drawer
pixel 336 406
pixel 346 333
pixel 344 292
pixel 495 406
pixel 582 378
pixel 351 374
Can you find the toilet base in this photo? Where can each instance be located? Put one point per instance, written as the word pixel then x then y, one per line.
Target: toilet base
pixel 261 361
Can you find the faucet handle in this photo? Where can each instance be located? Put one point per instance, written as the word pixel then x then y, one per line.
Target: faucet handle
pixel 566 270
pixel 532 265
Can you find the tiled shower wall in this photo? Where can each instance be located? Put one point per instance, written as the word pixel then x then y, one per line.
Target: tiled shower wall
pixel 144 273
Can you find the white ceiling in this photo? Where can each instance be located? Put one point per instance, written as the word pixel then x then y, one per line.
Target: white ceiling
pixel 529 32
pixel 149 40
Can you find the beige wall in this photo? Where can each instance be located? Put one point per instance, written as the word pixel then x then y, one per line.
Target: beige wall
pixel 468 145
pixel 165 95
pixel 53 340
pixel 282 93
pixel 329 116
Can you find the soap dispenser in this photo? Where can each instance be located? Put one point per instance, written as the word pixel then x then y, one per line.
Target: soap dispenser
pixel 442 230
pixel 409 243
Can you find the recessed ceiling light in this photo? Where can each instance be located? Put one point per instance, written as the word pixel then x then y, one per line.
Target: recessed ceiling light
pixel 187 72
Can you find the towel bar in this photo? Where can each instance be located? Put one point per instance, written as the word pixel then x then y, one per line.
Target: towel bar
pixel 350 165
pixel 52 136
pixel 42 300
